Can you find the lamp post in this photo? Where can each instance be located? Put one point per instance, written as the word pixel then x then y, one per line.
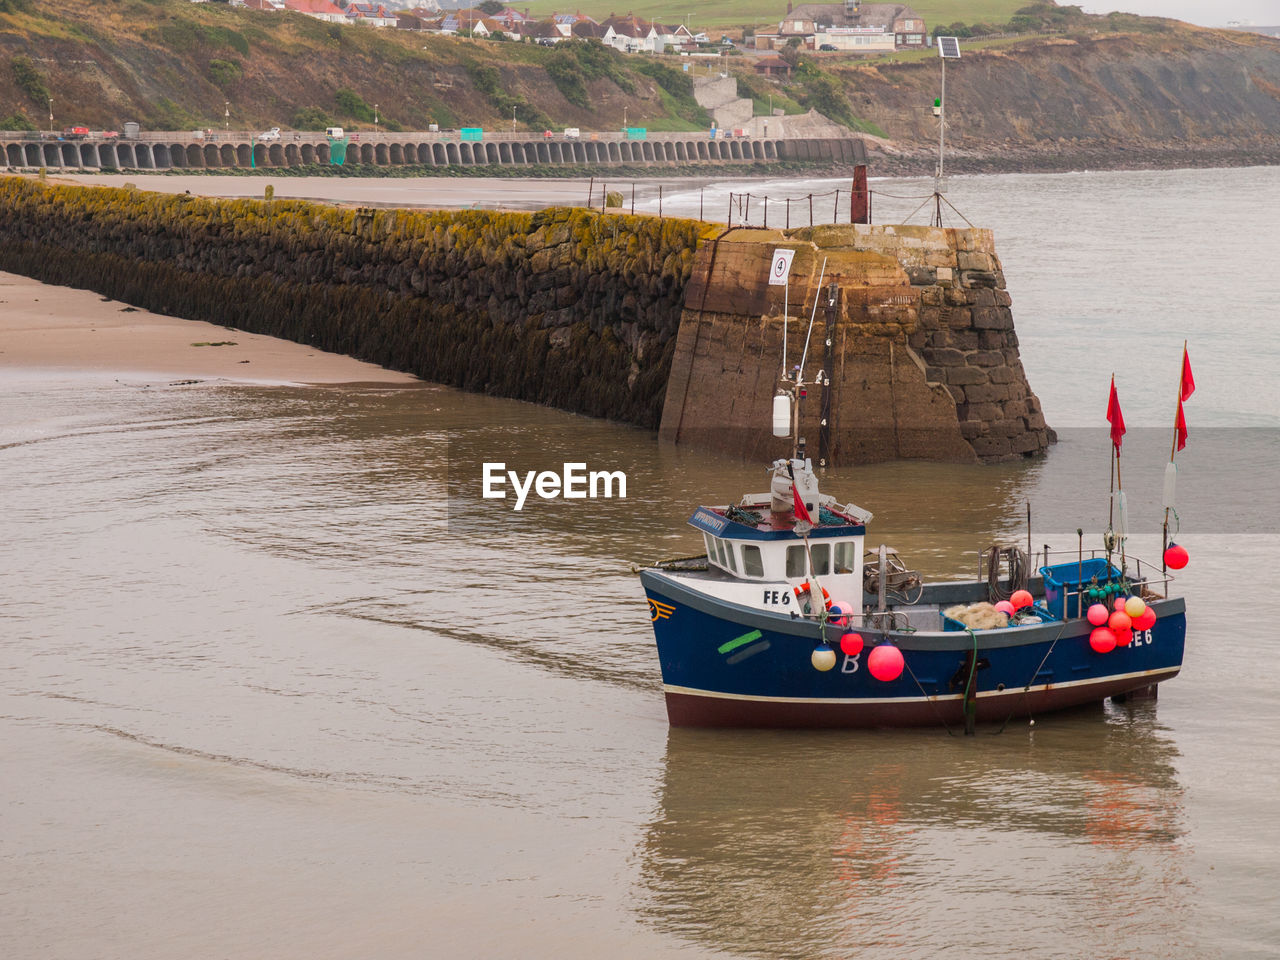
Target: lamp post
pixel 51 114
pixel 513 120
pixel 375 118
pixel 226 114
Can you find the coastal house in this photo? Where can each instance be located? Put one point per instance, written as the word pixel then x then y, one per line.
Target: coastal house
pixel 371 15
pixel 319 9
pixel 269 6
pixel 773 67
pixel 851 26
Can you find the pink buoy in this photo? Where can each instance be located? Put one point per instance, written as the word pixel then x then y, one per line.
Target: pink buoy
pixel 1005 607
pixel 1098 614
pixel 1102 640
pixel 851 644
pixel 1120 621
pixel 1176 557
pixel 1021 598
pixel 1146 621
pixel 885 662
pixel 840 611
pixel 1119 604
pixel 1134 607
pixel 1123 637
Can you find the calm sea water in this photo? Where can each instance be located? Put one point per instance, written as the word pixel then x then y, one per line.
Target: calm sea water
pixel 275 682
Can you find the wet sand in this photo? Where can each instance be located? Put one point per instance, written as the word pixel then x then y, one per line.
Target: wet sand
pixel 48 329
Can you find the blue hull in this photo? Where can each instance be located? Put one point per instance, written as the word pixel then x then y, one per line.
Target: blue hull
pixel 728 665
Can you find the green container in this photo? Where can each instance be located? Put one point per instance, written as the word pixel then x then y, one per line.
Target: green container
pixel 471 133
pixel 637 133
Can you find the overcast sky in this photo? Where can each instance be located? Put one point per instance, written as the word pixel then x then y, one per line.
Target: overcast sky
pixel 1208 13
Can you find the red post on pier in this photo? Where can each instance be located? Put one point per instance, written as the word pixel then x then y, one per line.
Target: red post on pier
pixel 860 199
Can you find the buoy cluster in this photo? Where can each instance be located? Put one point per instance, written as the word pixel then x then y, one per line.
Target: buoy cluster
pixel 1113 626
pixel 885 661
pixel 1018 600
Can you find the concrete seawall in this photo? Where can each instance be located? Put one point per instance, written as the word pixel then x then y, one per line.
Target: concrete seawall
pixel 221 151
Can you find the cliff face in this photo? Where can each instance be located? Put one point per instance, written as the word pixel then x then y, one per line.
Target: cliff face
pixel 1183 95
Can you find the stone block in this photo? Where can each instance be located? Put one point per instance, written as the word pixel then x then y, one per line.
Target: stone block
pixel 974 261
pixel 964 376
pixel 990 447
pixel 936 374
pixel 1002 375
pixel 1003 299
pixel 959 318
pixel 983 297
pixel 992 318
pixel 947 357
pixel 1015 408
pixel 1026 443
pixel 957 393
pixel 918 339
pixel 964 339
pixel 1007 428
pixel 979 279
pixel 1034 421
pixel 987 358
pixel 981 393
pixel 969 429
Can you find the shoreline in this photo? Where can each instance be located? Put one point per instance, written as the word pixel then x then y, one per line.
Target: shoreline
pixel 52 332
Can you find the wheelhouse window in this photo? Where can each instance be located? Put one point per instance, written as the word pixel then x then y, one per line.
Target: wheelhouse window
pixel 795 561
pixel 752 563
pixel 820 553
pixel 846 558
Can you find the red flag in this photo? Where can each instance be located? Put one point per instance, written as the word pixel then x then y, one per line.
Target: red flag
pixel 1115 417
pixel 1180 426
pixel 1188 385
pixel 801 512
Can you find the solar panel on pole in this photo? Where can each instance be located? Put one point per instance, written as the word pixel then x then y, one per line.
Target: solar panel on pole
pixel 949 48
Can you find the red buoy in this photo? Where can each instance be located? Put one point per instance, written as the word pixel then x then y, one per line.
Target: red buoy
pixel 1098 614
pixel 885 662
pixel 1102 640
pixel 1146 621
pixel 1176 557
pixel 851 644
pixel 1120 621
pixel 1021 598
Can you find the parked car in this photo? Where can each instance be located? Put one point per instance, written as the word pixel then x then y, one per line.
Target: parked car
pixel 572 133
pixel 110 135
pixel 829 47
pixel 334 132
pixel 272 134
pixel 546 42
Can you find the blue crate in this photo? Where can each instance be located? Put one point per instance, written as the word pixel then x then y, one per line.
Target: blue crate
pixel 1063 580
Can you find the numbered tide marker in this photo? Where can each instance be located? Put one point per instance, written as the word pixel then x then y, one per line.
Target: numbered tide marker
pixel 780 268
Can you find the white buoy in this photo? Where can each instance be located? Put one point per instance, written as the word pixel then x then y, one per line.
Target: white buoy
pixel 782 415
pixel 823 658
pixel 1170 482
pixel 1122 514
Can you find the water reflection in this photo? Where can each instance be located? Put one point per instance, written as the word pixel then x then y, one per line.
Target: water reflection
pixel 784 844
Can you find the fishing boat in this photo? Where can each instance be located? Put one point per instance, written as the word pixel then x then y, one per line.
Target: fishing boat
pixel 788 621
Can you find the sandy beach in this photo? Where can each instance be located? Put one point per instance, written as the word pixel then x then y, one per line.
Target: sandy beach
pixel 58 330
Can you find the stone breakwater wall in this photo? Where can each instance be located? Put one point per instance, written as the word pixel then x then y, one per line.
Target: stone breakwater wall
pixel 922 360
pixel 565 307
pixel 656 322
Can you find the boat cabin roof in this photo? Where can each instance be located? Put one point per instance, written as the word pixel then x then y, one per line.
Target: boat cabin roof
pixel 756 521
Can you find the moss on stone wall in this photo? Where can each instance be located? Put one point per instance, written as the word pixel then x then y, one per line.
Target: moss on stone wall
pixel 565 307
